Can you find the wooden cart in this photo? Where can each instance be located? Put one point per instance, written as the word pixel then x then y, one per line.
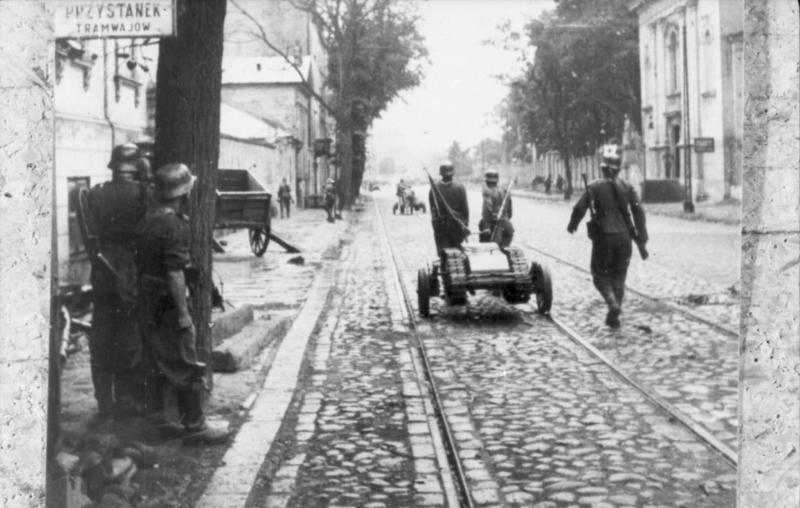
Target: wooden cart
pixel 243 202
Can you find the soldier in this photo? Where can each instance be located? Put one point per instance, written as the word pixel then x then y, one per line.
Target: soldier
pixel 114 209
pixel 491 216
pixel 284 197
pixel 611 230
pixel 449 210
pixel 330 198
pixel 168 329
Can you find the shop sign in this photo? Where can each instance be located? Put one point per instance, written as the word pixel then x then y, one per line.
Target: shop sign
pixel 703 145
pixel 77 19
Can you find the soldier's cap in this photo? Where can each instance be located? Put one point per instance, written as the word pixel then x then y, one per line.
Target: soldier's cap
pixel 446 169
pixel 611 157
pixel 126 153
pixel 173 180
pixel 491 175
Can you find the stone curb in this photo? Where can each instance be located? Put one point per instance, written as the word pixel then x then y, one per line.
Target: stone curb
pixel 240 351
pixel 230 323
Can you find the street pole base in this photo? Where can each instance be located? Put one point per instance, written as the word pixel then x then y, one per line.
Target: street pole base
pixel 688 207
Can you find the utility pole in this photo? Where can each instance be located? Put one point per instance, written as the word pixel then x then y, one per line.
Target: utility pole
pixel 688 205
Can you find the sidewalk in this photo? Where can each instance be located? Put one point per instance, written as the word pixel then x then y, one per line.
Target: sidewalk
pixel 276 289
pixel 725 212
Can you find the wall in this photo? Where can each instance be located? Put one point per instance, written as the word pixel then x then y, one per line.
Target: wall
pixel 26 175
pixel 259 158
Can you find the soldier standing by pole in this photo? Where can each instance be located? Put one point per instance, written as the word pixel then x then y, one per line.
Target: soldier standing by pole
pixel 611 230
pixel 449 210
pixel 284 197
pixel 169 332
pixel 114 209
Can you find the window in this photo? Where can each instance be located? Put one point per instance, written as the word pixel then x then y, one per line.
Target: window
pixel 672 62
pixel 74 185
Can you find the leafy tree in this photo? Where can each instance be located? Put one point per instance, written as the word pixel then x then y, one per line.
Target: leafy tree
pixel 188 95
pixel 583 82
pixel 460 159
pixel 375 52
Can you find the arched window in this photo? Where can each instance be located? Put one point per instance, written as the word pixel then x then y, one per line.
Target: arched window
pixel 672 62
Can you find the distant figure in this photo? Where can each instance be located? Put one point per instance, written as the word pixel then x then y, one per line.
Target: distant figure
pixel 493 220
pixel 611 230
pixel 284 197
pixel 330 198
pixel 560 183
pixel 548 183
pixel 449 210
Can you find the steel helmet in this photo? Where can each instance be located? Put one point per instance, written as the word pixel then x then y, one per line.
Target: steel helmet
pixel 446 169
pixel 173 180
pixel 491 175
pixel 127 153
pixel 611 157
pixel 330 180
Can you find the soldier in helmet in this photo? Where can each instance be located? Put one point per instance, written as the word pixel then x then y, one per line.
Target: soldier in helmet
pixel 611 231
pixel 114 210
pixel 491 215
pixel 168 328
pixel 449 210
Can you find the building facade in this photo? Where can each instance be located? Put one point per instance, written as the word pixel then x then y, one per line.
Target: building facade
pixel 100 102
pixel 691 58
pixel 258 78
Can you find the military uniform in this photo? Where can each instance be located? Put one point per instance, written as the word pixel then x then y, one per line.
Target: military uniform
pixel 164 248
pixel 492 201
pixel 611 237
pixel 114 209
pixel 330 199
pixel 449 231
pixel 285 198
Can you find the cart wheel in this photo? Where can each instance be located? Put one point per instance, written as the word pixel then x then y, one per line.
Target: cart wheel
pixel 259 240
pixel 424 292
pixel 544 287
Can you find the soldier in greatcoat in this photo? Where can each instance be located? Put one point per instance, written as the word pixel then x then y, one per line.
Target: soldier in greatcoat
pixel 449 210
pixel 493 219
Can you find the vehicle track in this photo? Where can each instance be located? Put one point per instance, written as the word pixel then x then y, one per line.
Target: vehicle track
pixel 706 437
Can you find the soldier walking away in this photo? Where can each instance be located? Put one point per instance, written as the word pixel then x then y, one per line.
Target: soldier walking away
pixel 330 198
pixel 164 267
pixel 449 210
pixel 560 183
pixel 114 209
pixel 612 202
pixel 284 197
pixel 548 183
pixel 495 223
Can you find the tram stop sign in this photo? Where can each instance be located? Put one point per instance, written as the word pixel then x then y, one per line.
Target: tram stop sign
pixel 703 145
pixel 81 19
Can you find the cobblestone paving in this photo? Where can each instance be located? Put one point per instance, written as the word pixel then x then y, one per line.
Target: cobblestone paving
pixel 540 423
pixel 691 263
pixel 361 437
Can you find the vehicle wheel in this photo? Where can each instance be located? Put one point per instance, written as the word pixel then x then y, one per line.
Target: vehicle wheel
pixel 424 292
pixel 543 285
pixel 259 240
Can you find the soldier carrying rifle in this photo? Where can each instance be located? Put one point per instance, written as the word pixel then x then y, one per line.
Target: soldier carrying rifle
pixel 449 210
pixel 612 202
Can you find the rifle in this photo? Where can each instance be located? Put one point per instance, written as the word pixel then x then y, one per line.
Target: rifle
pixel 640 245
pixel 437 196
pixel 90 239
pixel 496 230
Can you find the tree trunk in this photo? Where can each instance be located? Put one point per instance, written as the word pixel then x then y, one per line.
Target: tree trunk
pixel 567 176
pixel 188 94
pixel 346 162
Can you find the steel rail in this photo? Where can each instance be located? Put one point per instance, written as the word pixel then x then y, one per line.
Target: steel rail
pixel 678 308
pixel 447 434
pixel 704 435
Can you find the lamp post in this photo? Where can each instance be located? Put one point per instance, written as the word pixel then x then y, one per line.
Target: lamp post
pixel 688 205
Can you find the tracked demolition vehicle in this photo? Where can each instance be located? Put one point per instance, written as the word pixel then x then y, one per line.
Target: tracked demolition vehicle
pixel 474 266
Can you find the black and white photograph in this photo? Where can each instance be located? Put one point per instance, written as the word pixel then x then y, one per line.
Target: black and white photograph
pixel 400 253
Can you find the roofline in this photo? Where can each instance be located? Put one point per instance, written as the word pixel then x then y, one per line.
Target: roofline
pixel 249 141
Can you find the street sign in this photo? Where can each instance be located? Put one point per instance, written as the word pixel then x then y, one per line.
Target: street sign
pixel 77 19
pixel 703 145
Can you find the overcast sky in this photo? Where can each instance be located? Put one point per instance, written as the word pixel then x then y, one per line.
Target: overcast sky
pixel 458 96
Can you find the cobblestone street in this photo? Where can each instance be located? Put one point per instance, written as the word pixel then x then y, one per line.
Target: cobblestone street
pixel 536 420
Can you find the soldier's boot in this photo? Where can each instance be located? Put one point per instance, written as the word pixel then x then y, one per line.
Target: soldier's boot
pixel 614 310
pixel 102 382
pixel 198 432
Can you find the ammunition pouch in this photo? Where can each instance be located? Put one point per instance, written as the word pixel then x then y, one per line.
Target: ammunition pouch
pixel 592 229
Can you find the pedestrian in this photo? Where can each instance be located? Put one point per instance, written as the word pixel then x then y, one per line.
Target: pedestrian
pixel 613 202
pixel 285 197
pixel 169 332
pixel 449 210
pixel 548 183
pixel 560 183
pixel 114 209
pixel 330 198
pixel 495 224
